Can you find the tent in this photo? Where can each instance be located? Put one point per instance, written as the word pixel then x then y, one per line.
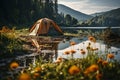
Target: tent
pixel 43 26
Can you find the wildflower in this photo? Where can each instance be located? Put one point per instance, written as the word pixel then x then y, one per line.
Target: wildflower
pixel 93 68
pixel 82 51
pixel 35 75
pixel 59 58
pixel 72 43
pixel 104 63
pixel 14 65
pixel 110 56
pixel 67 52
pixel 73 51
pixel 74 70
pixel 38 69
pixel 98 76
pixel 92 39
pixel 24 76
pixel 99 60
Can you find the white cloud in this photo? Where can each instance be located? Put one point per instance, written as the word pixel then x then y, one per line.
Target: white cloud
pixel 91 6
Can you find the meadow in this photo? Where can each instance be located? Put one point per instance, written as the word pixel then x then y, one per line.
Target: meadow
pixel 94 66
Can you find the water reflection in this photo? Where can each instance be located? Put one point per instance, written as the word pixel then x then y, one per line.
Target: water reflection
pixel 81 44
pixel 66 42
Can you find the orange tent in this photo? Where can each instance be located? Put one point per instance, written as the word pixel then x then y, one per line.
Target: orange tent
pixel 42 26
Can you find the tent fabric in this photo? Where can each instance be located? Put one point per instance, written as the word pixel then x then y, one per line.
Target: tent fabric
pixel 43 25
pixel 34 32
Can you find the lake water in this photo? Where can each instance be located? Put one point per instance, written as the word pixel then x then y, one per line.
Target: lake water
pixel 65 46
pixel 89 27
pixel 66 43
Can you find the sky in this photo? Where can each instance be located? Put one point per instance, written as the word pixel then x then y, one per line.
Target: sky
pixel 91 6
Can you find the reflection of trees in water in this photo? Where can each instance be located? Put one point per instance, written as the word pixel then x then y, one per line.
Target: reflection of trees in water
pixel 110 37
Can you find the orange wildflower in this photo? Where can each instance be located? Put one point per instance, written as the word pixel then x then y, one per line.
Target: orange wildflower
pixel 38 69
pixel 14 65
pixel 67 52
pixel 82 51
pixel 72 43
pixel 99 60
pixel 73 51
pixel 98 76
pixel 74 70
pixel 92 39
pixel 59 58
pixel 24 76
pixel 35 75
pixel 104 63
pixel 110 56
pixel 93 68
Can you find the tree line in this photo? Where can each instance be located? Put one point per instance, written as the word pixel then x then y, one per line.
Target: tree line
pixel 20 12
pixel 26 12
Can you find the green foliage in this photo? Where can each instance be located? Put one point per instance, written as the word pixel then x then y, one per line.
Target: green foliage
pixel 9 44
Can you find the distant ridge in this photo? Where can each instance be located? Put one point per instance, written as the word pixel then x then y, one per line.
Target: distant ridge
pixel 109 18
pixel 76 14
pixel 97 14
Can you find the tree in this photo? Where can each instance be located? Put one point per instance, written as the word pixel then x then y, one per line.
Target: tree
pixel 74 21
pixel 68 19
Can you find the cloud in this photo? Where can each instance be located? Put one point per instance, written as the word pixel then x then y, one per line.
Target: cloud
pixel 91 6
pixel 115 3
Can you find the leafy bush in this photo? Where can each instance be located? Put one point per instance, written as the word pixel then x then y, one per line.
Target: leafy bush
pixel 9 43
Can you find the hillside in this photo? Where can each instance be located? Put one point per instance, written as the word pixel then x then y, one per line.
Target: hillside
pixel 109 18
pixel 97 14
pixel 76 14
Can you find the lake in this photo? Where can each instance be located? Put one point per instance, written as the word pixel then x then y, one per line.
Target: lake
pixel 82 44
pixel 89 27
pixel 65 44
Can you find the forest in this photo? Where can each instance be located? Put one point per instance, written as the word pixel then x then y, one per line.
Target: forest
pixel 26 12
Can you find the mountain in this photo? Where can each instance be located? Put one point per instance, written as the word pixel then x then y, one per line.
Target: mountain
pixel 76 14
pixel 97 14
pixel 109 18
